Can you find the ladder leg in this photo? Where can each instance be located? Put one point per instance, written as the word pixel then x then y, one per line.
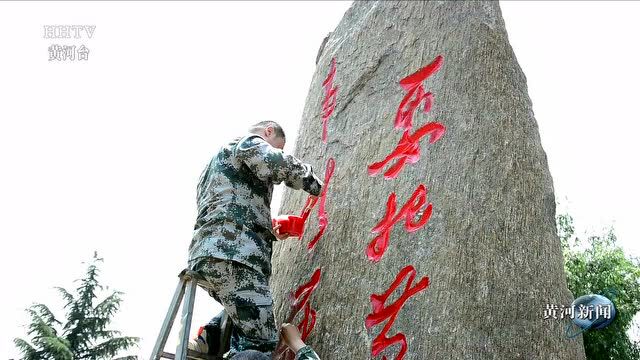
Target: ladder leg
pixel 225 333
pixel 187 314
pixel 168 321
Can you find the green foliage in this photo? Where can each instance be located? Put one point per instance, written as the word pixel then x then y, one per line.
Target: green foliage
pixel 599 266
pixel 84 334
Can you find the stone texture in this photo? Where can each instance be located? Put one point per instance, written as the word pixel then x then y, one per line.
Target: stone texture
pixel 490 248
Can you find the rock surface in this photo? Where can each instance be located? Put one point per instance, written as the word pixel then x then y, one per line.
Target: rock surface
pixel 490 248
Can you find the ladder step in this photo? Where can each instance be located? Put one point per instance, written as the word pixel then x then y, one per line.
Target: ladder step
pixel 191 355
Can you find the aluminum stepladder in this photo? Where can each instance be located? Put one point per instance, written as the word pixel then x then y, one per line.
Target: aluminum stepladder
pixel 186 289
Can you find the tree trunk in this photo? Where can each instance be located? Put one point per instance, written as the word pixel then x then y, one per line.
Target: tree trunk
pixel 490 248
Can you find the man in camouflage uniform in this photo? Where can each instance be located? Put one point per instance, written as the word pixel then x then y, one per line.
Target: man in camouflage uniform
pixel 233 235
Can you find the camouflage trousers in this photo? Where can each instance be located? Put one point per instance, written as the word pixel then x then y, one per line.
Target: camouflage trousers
pixel 246 297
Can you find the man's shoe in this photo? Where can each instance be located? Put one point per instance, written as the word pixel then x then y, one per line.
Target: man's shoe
pixel 199 343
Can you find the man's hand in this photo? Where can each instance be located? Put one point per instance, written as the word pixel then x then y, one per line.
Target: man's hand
pixel 276 232
pixel 291 337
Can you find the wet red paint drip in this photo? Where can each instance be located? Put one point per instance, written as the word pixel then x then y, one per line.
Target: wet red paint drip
pixel 304 215
pixel 381 312
pixel 413 206
pixel 329 103
pixel 300 299
pixel 322 213
pixel 308 206
pixel 413 84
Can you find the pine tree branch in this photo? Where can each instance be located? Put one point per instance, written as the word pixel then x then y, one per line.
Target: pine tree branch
pixel 68 298
pixel 109 306
pixel 57 347
pixel 27 350
pixel 111 347
pixel 45 314
pixel 39 327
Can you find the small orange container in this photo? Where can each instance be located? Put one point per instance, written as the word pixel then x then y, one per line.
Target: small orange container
pixel 293 225
pixel 290 224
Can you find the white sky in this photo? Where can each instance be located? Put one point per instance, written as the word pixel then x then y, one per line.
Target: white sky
pixel 105 155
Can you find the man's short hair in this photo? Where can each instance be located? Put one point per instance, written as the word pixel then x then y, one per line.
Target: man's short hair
pixel 250 355
pixel 264 124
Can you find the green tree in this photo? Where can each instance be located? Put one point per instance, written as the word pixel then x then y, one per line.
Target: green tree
pixel 84 334
pixel 599 266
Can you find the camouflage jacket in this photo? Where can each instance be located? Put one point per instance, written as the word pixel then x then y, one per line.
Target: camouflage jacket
pixel 234 198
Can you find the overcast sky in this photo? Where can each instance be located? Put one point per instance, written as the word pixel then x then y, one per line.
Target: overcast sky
pixel 105 154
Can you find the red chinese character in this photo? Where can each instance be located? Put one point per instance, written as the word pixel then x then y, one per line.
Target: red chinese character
pixel 381 312
pixel 413 84
pixel 322 214
pixel 407 150
pixel 329 103
pixel 299 300
pixel 308 322
pixel 379 245
pixel 303 293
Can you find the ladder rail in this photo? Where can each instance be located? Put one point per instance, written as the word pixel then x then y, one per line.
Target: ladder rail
pixel 225 333
pixel 168 320
pixel 185 294
pixel 187 314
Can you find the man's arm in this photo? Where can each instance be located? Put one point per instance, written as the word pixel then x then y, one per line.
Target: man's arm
pixel 271 164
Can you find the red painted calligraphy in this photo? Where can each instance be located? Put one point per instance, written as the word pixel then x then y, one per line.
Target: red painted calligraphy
pixel 413 206
pixel 329 103
pixel 308 322
pixel 303 293
pixel 322 214
pixel 415 90
pixel 381 312
pixel 406 152
pixel 408 149
pixel 300 299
